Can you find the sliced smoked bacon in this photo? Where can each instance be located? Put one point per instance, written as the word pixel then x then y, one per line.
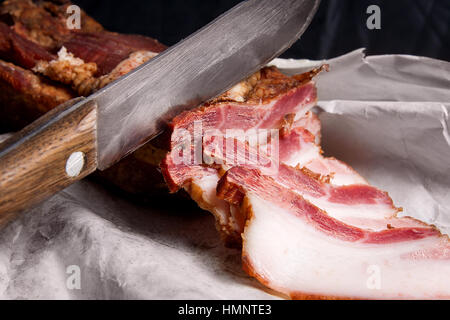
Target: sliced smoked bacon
pixel 344 202
pixel 297 147
pixel 296 248
pixel 321 181
pixel 261 101
pixel 339 236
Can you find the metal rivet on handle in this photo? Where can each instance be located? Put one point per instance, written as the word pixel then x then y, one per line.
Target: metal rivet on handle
pixel 75 164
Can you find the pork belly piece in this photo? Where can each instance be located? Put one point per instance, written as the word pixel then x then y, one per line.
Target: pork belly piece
pixel 89 61
pixel 295 248
pixel 86 61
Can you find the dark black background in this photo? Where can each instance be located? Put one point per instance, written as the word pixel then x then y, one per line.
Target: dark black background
pixel 419 27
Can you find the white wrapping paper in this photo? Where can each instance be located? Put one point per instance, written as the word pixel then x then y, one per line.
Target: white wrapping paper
pixel 387 116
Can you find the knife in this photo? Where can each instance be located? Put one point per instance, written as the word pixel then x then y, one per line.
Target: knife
pixel 80 136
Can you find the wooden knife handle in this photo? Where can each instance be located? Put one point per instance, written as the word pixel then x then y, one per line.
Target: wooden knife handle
pixel 34 163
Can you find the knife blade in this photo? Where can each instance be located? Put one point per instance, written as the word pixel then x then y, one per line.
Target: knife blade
pixel 116 120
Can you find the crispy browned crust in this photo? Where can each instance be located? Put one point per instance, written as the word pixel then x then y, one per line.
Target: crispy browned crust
pixel 265 85
pixel 82 76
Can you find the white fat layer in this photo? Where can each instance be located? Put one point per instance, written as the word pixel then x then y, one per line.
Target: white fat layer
pixel 342 211
pixel 293 256
pixel 345 179
pixel 365 214
pixel 341 173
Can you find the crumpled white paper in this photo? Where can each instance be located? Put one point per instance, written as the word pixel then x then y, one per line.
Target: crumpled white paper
pixel 387 116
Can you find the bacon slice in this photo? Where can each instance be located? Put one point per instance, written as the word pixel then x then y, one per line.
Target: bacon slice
pixel 256 106
pixel 294 247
